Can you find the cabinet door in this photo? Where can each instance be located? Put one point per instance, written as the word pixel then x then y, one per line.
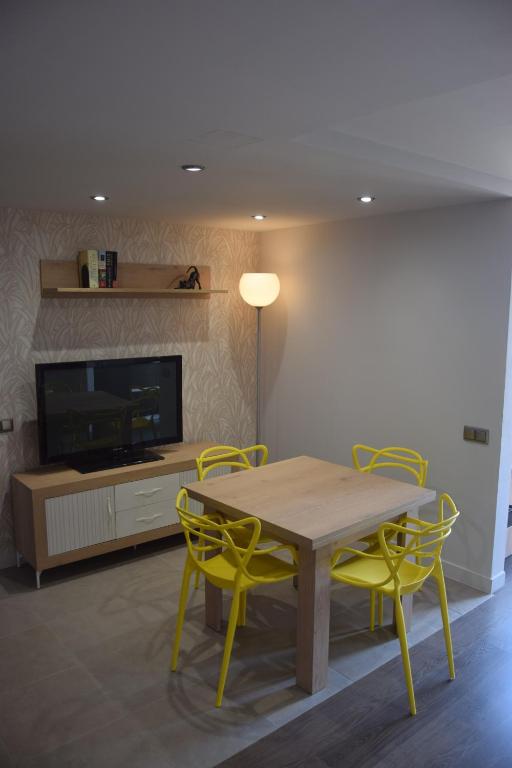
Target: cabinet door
pixel 79 520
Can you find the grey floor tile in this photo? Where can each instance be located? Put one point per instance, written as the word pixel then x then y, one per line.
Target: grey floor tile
pixel 132 668
pixel 16 581
pixel 462 598
pixel 55 600
pixel 120 744
pixel 16 616
pixel 5 758
pixel 29 656
pixel 284 705
pixel 354 653
pixel 115 613
pixel 42 716
pixel 193 734
pixel 92 686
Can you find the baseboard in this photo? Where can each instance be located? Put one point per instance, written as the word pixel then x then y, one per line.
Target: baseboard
pixel 473 579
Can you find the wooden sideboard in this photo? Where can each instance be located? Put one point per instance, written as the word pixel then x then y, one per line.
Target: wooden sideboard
pixel 61 515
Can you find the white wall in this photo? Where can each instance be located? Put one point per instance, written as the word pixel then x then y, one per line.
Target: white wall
pixel 393 330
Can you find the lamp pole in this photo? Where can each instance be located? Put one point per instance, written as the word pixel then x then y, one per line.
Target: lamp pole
pixel 259 289
pixel 258 363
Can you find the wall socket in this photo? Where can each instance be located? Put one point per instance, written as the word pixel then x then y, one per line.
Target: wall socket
pixel 6 425
pixel 476 435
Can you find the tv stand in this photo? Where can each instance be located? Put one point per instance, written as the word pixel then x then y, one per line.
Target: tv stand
pixel 125 457
pixel 61 515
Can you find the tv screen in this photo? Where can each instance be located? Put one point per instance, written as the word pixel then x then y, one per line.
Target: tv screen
pixel 99 407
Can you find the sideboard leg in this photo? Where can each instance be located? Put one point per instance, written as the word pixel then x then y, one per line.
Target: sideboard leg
pixel 38 579
pixel 19 559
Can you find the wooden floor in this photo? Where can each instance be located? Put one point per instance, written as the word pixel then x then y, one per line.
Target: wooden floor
pixel 466 723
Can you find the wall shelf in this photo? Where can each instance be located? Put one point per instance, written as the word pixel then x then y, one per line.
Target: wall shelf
pixel 125 293
pixel 59 279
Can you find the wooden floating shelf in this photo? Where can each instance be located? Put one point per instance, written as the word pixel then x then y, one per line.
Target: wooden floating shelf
pixel 59 280
pixel 127 293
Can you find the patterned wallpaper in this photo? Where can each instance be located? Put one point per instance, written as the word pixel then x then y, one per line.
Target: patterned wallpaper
pixel 215 337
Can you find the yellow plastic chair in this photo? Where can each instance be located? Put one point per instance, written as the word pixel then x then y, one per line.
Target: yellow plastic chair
pixel 227 456
pixel 229 566
pixel 234 459
pixel 393 457
pixel 367 459
pixel 389 571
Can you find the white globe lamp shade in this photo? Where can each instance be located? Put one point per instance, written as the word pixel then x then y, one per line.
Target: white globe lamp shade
pixel 259 289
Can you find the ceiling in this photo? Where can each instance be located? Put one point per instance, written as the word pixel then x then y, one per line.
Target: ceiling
pixel 295 107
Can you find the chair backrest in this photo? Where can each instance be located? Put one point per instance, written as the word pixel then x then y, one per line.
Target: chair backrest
pixel 208 533
pixel 393 457
pixel 422 541
pixel 229 457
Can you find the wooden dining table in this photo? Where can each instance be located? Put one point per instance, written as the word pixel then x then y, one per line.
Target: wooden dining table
pixel 314 505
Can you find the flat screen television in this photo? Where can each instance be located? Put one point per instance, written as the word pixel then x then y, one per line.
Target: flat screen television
pixel 97 414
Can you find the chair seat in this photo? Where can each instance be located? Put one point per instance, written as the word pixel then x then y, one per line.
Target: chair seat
pixel 221 570
pixel 370 572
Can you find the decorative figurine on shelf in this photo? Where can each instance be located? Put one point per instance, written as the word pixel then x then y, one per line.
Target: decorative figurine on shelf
pixel 190 281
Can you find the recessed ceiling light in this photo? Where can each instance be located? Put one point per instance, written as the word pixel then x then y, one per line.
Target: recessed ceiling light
pixel 366 199
pixel 99 198
pixel 259 216
pixel 193 168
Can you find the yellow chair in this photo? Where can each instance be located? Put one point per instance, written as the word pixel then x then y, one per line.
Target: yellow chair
pixel 235 459
pixel 229 566
pixel 367 459
pixel 227 456
pixel 389 571
pixel 393 457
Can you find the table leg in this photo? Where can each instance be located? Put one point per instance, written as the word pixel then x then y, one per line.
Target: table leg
pixel 212 595
pixel 313 613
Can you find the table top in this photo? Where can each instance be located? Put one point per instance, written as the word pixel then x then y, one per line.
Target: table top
pixel 310 502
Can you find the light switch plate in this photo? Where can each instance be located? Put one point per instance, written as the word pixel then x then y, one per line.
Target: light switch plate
pixel 481 435
pixel 476 435
pixel 6 425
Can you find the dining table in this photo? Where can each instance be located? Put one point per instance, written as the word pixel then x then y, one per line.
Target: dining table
pixel 315 505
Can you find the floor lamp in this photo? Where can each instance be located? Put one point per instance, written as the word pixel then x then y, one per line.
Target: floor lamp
pixel 259 289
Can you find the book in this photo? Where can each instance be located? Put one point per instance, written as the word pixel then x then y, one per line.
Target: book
pixel 114 269
pixel 102 269
pixel 88 269
pixel 111 262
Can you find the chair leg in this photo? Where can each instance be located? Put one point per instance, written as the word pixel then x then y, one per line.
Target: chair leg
pixel 242 610
pixel 228 645
pixel 381 609
pixel 198 572
pixel 402 634
pixel 372 610
pixel 185 583
pixel 446 619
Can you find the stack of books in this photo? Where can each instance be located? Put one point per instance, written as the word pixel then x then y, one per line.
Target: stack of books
pixel 97 269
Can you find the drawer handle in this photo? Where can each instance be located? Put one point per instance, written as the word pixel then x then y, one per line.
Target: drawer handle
pixel 148 519
pixel 147 493
pixel 110 515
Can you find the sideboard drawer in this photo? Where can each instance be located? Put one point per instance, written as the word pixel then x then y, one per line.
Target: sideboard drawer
pixel 150 491
pixel 145 518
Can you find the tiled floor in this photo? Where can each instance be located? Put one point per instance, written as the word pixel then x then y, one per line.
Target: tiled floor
pixel 84 675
